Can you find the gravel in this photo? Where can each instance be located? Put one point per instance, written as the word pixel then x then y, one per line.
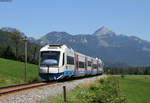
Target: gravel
pixel 34 95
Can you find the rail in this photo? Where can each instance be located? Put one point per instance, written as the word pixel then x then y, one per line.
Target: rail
pixel 21 87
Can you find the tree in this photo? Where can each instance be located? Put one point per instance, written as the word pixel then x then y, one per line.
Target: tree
pixel 17 38
pixel 8 54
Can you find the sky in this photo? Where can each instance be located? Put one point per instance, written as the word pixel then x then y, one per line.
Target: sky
pixel 37 17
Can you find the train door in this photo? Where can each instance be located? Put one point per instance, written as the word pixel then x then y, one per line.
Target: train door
pixel 92 68
pixel 77 63
pixel 86 65
pixel 97 66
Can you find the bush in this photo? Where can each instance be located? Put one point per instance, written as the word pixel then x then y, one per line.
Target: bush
pixel 122 76
pixel 34 80
pixel 104 91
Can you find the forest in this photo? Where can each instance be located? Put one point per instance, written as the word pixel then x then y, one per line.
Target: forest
pixel 12 46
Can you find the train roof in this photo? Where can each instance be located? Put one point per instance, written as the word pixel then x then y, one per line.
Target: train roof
pixel 53 46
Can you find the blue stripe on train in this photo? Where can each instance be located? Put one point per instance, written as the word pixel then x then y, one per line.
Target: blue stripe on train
pixel 67 73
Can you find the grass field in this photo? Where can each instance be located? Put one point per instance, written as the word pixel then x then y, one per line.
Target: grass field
pixel 12 72
pixel 136 88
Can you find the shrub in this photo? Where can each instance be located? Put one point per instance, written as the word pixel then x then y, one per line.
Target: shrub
pixel 104 91
pixel 33 80
pixel 122 76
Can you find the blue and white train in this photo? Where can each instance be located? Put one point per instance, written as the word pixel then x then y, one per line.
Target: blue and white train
pixel 59 61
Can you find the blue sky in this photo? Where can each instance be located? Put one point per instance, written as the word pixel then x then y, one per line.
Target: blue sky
pixel 37 17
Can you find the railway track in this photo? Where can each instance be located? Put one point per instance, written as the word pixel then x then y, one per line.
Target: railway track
pixel 22 87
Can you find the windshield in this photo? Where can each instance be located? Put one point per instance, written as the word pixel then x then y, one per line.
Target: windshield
pixel 51 56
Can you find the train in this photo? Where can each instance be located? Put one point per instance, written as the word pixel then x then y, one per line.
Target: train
pixel 58 61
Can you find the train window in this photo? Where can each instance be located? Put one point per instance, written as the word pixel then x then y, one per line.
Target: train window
pixel 89 63
pixel 81 64
pixel 70 60
pixel 99 65
pixel 51 55
pixel 95 66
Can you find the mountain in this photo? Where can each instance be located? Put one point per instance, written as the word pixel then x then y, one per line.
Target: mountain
pixel 112 48
pixel 54 37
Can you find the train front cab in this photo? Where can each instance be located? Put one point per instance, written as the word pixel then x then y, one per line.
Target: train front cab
pixel 55 68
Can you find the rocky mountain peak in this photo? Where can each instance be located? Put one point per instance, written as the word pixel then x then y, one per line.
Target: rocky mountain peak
pixel 103 31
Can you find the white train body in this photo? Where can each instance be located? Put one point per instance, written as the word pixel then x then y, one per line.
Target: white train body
pixel 59 61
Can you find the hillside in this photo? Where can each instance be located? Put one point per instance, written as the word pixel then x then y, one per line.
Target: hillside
pixel 114 49
pixel 12 72
pixel 12 45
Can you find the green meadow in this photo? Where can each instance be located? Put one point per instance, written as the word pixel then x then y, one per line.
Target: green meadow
pixel 136 88
pixel 131 89
pixel 12 72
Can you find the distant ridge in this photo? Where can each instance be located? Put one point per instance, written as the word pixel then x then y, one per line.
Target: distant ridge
pixel 114 49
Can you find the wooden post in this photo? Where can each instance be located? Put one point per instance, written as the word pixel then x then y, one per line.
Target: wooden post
pixel 64 92
pixel 26 57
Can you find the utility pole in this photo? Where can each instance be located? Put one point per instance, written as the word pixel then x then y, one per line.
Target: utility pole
pixel 25 60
